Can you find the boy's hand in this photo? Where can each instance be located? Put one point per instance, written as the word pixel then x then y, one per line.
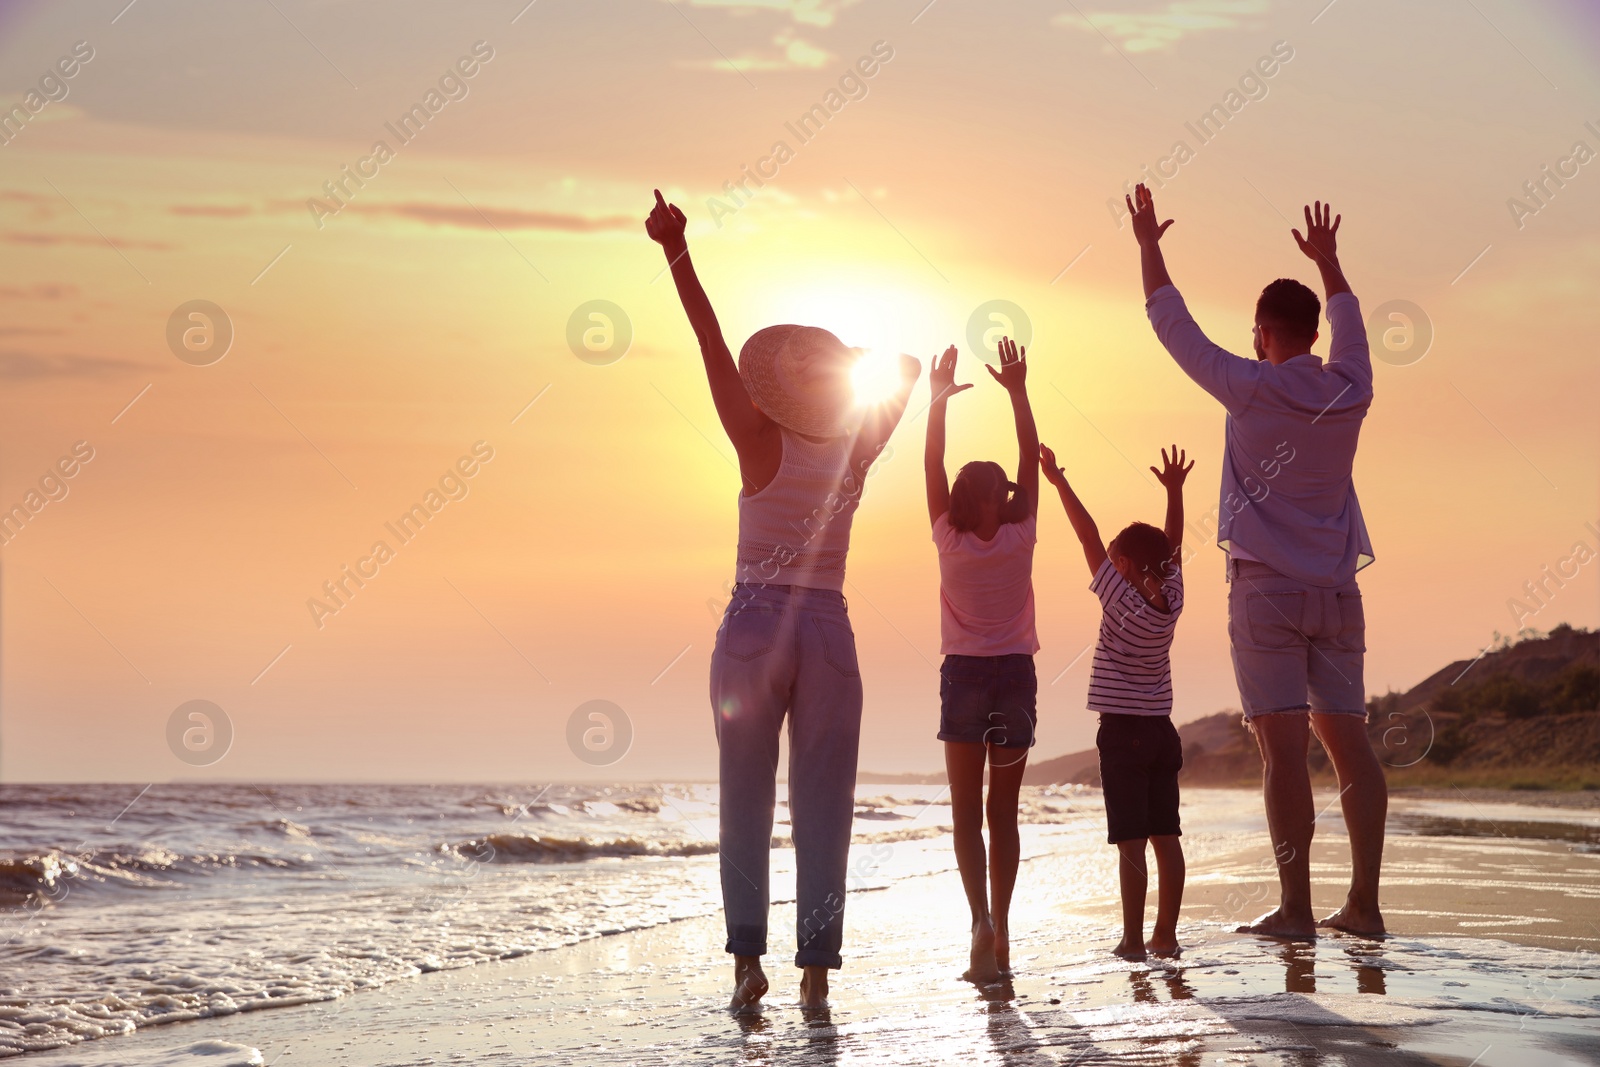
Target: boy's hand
pixel 1142 209
pixel 1173 471
pixel 942 375
pixel 1013 372
pixel 1319 243
pixel 1047 464
pixel 666 223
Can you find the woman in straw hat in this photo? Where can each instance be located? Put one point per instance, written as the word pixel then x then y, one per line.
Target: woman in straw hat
pixel 785 647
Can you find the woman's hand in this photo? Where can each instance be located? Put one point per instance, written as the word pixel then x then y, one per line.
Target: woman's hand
pixel 1047 463
pixel 1013 372
pixel 941 376
pixel 665 223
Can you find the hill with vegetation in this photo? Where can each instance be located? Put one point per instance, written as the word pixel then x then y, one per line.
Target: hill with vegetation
pixel 1521 715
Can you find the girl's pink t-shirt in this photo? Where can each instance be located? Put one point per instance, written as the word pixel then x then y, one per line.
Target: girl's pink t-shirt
pixel 986 590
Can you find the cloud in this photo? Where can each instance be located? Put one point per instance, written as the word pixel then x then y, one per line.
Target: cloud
pixel 791 53
pixel 1154 31
pixel 805 12
pixel 39 291
pixel 37 366
pixel 212 211
pixel 45 239
pixel 492 218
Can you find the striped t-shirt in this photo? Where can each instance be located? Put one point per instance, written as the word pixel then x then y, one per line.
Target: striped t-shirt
pixel 1132 672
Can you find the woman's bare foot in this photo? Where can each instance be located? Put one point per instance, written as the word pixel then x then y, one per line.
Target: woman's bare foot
pixel 1163 943
pixel 1002 950
pixel 749 984
pixel 1275 924
pixel 1357 919
pixel 1129 948
pixel 981 962
pixel 814 989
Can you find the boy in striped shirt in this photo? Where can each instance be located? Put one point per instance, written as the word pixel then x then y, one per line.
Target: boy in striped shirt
pixel 1140 586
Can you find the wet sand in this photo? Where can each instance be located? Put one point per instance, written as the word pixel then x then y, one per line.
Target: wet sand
pixel 1492 961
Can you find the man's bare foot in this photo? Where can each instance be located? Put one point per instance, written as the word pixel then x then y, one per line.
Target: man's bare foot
pixel 1129 948
pixel 814 989
pixel 1002 950
pixel 1356 919
pixel 982 967
pixel 1276 924
pixel 1163 943
pixel 749 984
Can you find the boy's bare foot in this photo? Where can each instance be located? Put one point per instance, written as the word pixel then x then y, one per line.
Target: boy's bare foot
pixel 814 989
pixel 1276 924
pixel 982 967
pixel 1002 950
pixel 749 984
pixel 1129 948
pixel 1163 943
pixel 1357 919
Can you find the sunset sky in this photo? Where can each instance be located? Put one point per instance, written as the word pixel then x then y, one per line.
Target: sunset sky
pixel 379 338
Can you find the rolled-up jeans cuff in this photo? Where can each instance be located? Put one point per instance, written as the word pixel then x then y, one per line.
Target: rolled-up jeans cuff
pixel 816 957
pixel 747 948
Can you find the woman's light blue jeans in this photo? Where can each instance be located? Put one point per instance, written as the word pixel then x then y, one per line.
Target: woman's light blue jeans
pixel 786 652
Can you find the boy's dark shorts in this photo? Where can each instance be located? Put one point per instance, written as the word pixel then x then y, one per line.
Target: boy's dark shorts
pixel 988 700
pixel 1140 756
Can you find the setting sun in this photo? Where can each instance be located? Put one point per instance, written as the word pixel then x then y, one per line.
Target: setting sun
pixel 875 376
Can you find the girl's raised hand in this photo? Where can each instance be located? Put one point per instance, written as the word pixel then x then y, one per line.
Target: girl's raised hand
pixel 1047 463
pixel 942 376
pixel 1013 372
pixel 665 223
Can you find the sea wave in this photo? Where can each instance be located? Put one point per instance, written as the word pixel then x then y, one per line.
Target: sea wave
pixel 54 873
pixel 549 848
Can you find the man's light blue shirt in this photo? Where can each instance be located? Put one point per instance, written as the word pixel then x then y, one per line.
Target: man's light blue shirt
pixel 1288 498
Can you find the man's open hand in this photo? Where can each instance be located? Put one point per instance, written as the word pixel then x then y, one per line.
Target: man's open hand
pixel 1320 243
pixel 1142 209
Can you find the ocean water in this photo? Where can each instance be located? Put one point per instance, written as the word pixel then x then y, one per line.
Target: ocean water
pixel 125 907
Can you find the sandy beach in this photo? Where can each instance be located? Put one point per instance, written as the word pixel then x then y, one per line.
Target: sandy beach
pixel 1490 962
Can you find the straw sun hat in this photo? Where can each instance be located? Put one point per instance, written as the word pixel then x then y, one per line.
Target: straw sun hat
pixel 799 376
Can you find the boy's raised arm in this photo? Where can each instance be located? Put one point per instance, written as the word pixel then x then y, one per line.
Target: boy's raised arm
pixel 1172 475
pixel 1094 550
pixel 1013 375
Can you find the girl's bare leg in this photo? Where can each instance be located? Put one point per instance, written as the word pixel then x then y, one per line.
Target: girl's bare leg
pixel 963 763
pixel 1005 845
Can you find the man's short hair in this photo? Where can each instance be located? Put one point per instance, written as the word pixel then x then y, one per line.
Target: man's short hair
pixel 1288 307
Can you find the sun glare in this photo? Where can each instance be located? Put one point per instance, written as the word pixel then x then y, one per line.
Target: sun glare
pixel 875 376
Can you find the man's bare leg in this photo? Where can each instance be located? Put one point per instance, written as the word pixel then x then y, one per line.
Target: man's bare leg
pixel 749 984
pixel 1169 893
pixel 1005 844
pixel 963 763
pixel 814 988
pixel 1284 738
pixel 1134 878
pixel 1364 798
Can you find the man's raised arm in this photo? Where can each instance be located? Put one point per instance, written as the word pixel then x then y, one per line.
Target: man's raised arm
pixel 1229 378
pixel 1348 352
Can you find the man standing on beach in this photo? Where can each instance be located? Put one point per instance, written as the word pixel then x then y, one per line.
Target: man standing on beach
pixel 1293 531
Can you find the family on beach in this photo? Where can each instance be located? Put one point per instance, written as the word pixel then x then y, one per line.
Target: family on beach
pixel 786 650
